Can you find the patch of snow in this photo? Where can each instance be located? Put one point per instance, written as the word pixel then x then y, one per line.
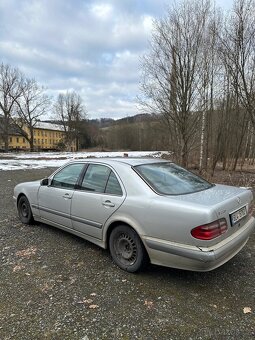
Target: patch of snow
pixel 22 161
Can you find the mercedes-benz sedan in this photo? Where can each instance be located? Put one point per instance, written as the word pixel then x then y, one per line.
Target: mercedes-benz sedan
pixel 142 210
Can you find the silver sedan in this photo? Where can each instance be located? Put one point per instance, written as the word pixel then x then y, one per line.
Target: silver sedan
pixel 142 210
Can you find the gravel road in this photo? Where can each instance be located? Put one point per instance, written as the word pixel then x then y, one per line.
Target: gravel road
pixel 54 285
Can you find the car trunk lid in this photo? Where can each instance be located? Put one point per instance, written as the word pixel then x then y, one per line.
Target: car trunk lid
pixel 231 203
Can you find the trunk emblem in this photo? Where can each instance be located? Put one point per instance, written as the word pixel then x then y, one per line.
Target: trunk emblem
pixel 238 200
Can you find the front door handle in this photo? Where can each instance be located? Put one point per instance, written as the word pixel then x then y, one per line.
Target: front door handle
pixel 108 204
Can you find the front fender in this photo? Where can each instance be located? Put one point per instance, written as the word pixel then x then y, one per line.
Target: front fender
pixel 30 190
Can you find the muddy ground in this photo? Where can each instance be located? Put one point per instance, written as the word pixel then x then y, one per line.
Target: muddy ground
pixel 54 285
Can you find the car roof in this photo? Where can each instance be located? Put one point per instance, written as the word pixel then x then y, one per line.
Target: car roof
pixel 132 161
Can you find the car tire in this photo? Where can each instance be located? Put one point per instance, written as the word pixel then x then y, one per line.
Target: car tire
pixel 127 250
pixel 24 211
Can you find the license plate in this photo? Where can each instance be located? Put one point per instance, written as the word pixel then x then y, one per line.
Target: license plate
pixel 238 215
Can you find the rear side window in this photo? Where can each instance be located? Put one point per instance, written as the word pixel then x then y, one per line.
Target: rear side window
pixel 113 187
pixel 67 177
pixel 101 179
pixel 171 179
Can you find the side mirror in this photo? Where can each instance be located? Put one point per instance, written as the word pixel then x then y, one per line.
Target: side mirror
pixel 45 181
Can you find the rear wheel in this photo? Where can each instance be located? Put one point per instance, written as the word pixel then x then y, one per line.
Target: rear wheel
pixel 24 210
pixel 126 249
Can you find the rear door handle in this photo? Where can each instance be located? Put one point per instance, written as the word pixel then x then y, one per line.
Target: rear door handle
pixel 67 196
pixel 108 204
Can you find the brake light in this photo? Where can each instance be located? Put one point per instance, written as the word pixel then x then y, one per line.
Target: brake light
pixel 211 230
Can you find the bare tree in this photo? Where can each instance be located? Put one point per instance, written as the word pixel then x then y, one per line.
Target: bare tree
pixel 210 86
pixel 30 107
pixel 238 52
pixel 172 76
pixel 70 111
pixel 10 92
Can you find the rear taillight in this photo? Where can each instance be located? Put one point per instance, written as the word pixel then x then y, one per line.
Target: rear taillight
pixel 211 230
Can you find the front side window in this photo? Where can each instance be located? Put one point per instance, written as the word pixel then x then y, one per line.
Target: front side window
pixel 101 179
pixel 68 176
pixel 170 179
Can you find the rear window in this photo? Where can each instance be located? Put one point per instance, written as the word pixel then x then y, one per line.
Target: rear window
pixel 171 179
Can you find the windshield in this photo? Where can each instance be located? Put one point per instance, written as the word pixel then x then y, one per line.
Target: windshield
pixel 171 179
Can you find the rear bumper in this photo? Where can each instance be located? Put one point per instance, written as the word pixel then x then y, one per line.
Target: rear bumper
pixel 183 256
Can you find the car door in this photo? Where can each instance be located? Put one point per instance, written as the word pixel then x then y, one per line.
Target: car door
pixel 99 196
pixel 54 200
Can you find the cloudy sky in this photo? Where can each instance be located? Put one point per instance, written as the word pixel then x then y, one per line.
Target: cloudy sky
pixel 92 47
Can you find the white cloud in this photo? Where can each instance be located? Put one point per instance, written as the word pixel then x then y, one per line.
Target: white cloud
pixel 148 23
pixel 90 46
pixel 102 11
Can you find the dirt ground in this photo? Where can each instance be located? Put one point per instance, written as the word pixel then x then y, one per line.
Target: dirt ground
pixel 54 285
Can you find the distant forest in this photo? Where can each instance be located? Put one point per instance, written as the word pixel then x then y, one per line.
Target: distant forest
pixel 140 132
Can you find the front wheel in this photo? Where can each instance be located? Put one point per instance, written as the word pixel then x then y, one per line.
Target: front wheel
pixel 126 249
pixel 24 210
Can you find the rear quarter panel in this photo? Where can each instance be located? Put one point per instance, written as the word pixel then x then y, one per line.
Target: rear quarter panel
pixel 163 218
pixel 172 219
